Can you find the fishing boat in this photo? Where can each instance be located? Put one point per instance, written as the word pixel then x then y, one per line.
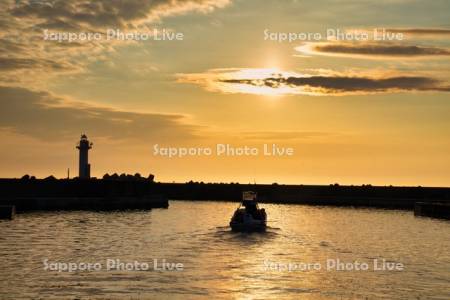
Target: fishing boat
pixel 248 216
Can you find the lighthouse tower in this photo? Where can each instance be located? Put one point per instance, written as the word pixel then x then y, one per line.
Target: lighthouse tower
pixel 85 168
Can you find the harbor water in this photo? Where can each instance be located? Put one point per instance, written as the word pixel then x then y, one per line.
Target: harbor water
pixel 189 252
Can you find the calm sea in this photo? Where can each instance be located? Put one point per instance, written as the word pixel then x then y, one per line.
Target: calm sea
pixel 293 259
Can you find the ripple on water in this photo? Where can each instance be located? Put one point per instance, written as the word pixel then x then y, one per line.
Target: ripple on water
pixel 220 263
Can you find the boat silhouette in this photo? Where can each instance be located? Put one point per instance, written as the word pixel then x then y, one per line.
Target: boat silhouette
pixel 248 216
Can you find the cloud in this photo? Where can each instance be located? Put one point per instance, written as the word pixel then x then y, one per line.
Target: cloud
pixel 372 50
pixel 264 82
pixel 45 116
pixel 107 13
pixel 7 63
pixel 285 135
pixel 49 118
pixel 26 59
pixel 421 31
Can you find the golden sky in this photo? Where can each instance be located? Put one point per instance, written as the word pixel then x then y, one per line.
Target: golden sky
pixel 355 105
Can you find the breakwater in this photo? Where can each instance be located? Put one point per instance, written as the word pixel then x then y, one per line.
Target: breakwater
pixel 432 209
pixel 7 212
pixel 112 194
pixel 35 194
pixel 358 196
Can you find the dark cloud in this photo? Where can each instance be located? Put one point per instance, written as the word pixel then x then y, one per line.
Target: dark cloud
pixel 104 13
pixel 426 31
pixel 8 46
pixel 285 135
pixel 342 84
pixel 381 50
pixel 26 55
pixel 44 116
pixel 10 63
pixel 57 24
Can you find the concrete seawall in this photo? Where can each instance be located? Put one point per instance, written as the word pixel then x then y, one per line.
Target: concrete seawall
pixel 435 210
pixel 32 195
pixel 359 196
pixel 7 212
pixel 108 194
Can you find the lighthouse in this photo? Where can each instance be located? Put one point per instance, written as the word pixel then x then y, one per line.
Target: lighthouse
pixel 84 168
